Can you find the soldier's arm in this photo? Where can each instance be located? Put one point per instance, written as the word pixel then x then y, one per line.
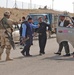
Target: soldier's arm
pixel 12 22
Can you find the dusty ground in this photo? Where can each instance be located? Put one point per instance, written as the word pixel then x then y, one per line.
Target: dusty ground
pixel 48 64
pixel 16 14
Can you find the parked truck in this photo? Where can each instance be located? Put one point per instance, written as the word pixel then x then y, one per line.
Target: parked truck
pixel 49 18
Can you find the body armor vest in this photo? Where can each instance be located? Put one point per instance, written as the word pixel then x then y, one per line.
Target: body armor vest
pixel 4 22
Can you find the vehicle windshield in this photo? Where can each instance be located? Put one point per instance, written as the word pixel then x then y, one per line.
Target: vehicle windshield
pixel 35 18
pixel 16 27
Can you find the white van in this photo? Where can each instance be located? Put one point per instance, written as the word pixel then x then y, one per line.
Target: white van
pixel 16 33
pixel 65 33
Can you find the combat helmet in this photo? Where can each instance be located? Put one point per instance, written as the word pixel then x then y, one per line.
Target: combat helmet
pixel 6 13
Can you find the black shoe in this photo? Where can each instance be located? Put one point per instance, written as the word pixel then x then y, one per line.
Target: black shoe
pixel 22 53
pixel 72 53
pixel 58 53
pixel 43 53
pixel 40 54
pixel 21 48
pixel 66 55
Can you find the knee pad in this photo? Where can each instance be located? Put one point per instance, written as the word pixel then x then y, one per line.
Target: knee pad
pixel 8 48
pixel 3 46
pixel 7 51
pixel 1 50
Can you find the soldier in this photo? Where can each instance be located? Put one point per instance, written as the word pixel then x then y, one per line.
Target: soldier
pixel 7 23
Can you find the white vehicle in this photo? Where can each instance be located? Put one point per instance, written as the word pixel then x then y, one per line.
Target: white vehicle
pixel 16 34
pixel 65 33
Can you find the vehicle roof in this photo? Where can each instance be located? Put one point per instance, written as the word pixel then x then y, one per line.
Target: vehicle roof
pixel 64 15
pixel 39 13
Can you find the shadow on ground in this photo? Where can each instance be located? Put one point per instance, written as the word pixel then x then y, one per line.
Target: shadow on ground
pixel 59 58
pixel 21 57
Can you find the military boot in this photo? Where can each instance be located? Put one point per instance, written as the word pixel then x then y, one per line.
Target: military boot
pixel 8 58
pixel 0 56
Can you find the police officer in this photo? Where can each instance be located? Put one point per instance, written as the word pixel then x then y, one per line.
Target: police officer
pixel 7 23
pixel 42 35
pixel 27 32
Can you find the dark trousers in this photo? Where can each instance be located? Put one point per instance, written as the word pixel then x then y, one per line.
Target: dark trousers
pixel 42 42
pixel 27 46
pixel 65 45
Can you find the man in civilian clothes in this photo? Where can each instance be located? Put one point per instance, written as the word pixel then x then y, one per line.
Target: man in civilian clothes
pixel 63 23
pixel 42 35
pixel 23 20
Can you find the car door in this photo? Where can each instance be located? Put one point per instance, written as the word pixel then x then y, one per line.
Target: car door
pixel 65 33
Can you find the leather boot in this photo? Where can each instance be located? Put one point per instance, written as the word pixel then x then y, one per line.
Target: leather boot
pixel 8 58
pixel 0 56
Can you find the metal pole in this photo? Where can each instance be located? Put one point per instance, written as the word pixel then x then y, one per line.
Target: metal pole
pixel 6 3
pixel 22 5
pixel 30 4
pixel 52 3
pixel 34 6
pixel 15 4
pixel 73 7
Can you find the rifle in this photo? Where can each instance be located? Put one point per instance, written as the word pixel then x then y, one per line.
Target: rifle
pixel 9 35
pixel 10 39
pixel 24 40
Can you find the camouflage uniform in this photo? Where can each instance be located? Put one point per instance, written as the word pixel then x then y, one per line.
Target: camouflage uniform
pixel 4 38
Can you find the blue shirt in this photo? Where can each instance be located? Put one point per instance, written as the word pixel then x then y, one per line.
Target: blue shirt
pixel 24 28
pixel 33 26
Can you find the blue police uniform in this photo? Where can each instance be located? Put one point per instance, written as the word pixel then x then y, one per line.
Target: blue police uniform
pixel 27 32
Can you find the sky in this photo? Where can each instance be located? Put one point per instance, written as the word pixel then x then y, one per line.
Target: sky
pixel 61 5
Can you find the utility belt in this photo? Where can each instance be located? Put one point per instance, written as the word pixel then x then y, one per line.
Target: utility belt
pixel 42 33
pixel 6 37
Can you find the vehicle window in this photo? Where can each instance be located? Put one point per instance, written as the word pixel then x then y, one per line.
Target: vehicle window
pixel 16 27
pixel 65 22
pixel 45 18
pixel 35 17
pixel 55 19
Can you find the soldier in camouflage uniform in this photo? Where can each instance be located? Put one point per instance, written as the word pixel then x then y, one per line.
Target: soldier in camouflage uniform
pixel 4 38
